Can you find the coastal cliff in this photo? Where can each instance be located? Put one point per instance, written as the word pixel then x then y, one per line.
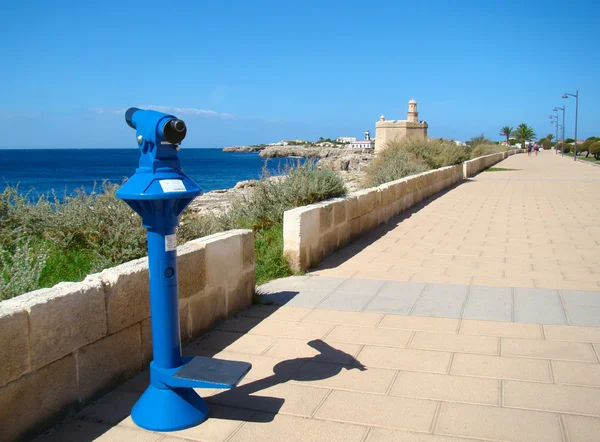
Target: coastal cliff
pixel 243 149
pixel 309 152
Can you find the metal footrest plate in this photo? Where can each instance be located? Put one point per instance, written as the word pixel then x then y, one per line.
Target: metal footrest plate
pixel 218 372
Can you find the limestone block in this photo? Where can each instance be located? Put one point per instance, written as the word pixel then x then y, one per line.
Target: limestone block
pixel 339 211
pixel 14 341
pixel 184 320
pixel 248 251
pixel 240 295
pixel 64 318
pixel 316 254
pixel 354 226
pixel 108 362
pixel 38 400
pixel 344 235
pixel 146 328
pixel 367 200
pixel 223 256
pixel 127 294
pixel 387 194
pixel 325 217
pixel 191 269
pixel 352 207
pixel 207 308
pixel 301 225
pixel 300 232
pixel 330 242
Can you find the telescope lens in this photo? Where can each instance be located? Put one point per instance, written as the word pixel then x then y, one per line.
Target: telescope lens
pixel 174 131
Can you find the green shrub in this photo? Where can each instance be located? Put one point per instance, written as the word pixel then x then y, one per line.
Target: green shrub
pixel 567 148
pixel 547 144
pixel 434 153
pixel 486 149
pixel 595 150
pixel 392 164
pixel 51 240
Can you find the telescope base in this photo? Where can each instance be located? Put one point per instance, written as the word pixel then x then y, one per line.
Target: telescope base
pixel 169 409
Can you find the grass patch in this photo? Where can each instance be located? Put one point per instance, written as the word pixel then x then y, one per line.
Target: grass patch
pixel 589 159
pixel 498 169
pixel 50 240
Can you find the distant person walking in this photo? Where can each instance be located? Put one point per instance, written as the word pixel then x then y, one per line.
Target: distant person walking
pixel 529 149
pixel 536 148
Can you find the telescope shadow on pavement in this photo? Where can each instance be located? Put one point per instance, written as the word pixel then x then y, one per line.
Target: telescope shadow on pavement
pixel 327 363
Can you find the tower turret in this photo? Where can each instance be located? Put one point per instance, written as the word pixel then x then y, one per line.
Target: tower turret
pixel 412 115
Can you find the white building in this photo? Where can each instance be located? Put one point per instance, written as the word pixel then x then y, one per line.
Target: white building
pixel 367 143
pixel 346 140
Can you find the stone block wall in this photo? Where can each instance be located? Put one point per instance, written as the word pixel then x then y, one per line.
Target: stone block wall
pixel 473 167
pixel 64 346
pixel 311 233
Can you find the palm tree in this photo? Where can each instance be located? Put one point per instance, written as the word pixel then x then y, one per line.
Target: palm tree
pixel 524 133
pixel 549 137
pixel 507 131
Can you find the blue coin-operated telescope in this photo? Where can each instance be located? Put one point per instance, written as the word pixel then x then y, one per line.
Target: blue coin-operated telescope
pixel 158 192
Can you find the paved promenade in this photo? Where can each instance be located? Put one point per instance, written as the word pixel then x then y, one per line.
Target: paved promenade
pixel 475 316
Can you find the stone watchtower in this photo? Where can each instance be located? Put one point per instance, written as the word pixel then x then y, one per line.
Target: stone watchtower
pixel 390 130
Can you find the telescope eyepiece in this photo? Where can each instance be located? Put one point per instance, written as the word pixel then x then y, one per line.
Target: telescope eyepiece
pixel 129 115
pixel 174 131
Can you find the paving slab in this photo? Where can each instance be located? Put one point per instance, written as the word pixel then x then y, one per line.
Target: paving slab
pixel 476 316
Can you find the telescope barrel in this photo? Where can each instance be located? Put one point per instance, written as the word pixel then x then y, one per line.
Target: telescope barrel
pixel 129 115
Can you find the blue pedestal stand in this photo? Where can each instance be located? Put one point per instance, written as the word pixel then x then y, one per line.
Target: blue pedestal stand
pixel 159 191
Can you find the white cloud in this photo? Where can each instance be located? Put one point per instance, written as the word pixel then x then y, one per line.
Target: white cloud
pixel 167 109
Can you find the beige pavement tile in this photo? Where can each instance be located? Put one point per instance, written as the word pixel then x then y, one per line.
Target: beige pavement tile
pixel 289 329
pixel 260 395
pixel 337 272
pixel 405 359
pixel 502 329
pixel 343 318
pixel 572 333
pixel 441 279
pixel 386 434
pixel 419 323
pixel 81 430
pixel 447 388
pixel 367 335
pixel 319 351
pixel 344 377
pixel 498 423
pixel 549 397
pixel 455 343
pixel 568 351
pixel 501 367
pixel 222 422
pixel 276 428
pixel 276 312
pixel 582 428
pixel 579 373
pixel 504 282
pixel 371 409
pixel 481 272
pixel 236 342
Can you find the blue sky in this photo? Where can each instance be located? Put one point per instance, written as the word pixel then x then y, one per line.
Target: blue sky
pixel 251 72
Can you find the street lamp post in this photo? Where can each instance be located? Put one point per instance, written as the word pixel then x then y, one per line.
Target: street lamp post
pixel 576 95
pixel 554 119
pixel 556 109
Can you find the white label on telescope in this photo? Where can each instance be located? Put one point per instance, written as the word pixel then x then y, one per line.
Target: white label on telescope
pixel 170 242
pixel 172 186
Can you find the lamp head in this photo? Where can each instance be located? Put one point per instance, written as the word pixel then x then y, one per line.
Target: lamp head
pixel 555 109
pixel 565 96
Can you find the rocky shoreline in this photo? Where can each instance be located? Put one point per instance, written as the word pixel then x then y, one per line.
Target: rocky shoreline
pixel 350 163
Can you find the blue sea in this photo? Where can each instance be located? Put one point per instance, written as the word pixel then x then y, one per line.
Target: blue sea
pixel 66 170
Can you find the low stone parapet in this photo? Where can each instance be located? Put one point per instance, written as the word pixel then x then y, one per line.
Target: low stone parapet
pixel 313 232
pixel 62 347
pixel 473 167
